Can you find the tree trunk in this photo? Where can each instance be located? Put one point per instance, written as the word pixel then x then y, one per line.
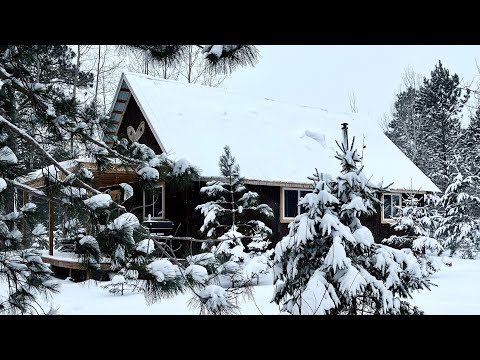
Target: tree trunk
pixel 39 69
pixel 98 72
pixel 189 65
pixel 232 198
pixel 75 79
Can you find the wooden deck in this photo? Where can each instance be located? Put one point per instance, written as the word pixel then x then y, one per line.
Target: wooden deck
pixel 71 263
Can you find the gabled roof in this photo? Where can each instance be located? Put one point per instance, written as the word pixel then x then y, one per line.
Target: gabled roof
pixel 273 141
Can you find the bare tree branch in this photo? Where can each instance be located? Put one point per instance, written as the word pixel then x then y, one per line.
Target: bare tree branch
pixel 353 102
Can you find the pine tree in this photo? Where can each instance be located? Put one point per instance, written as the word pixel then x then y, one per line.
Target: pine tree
pixel 233 214
pixel 459 230
pixel 219 58
pixel 49 72
pixel 329 263
pixel 405 130
pixel 468 161
pixel 417 223
pixel 470 145
pixel 439 104
pixel 36 107
pixel 22 270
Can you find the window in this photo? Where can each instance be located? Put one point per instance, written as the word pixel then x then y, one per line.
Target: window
pixel 389 210
pixel 290 198
pixel 154 202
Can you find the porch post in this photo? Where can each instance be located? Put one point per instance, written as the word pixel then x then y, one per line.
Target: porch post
pixel 24 224
pixel 51 221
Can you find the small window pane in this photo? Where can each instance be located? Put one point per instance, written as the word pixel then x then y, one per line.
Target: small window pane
pixel 291 203
pixel 157 208
pixel 387 206
pixel 148 203
pixel 153 202
pixel 395 203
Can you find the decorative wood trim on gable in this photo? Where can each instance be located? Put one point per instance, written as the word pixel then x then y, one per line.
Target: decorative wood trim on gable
pixel 126 102
pixel 133 117
pixel 145 117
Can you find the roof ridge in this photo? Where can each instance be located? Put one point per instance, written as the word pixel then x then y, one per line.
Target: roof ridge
pixel 227 91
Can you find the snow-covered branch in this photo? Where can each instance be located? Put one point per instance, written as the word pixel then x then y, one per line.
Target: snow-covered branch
pixel 32 141
pixel 115 153
pixel 4 76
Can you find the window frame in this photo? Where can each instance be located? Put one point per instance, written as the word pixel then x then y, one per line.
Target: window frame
pixel 283 218
pixel 388 220
pixel 145 216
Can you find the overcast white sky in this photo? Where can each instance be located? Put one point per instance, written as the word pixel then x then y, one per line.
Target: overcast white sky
pixel 324 75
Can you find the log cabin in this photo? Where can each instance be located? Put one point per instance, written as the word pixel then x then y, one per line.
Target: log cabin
pixel 277 144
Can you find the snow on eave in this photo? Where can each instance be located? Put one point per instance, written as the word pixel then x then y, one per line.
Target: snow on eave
pixel 261 182
pixel 40 173
pixel 410 191
pixel 67 165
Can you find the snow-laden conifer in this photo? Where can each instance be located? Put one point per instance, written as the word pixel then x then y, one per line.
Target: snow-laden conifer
pixel 416 222
pixel 329 262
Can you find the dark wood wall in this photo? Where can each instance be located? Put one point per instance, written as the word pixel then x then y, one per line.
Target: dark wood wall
pixel 133 117
pixel 180 208
pixel 379 231
pixel 270 195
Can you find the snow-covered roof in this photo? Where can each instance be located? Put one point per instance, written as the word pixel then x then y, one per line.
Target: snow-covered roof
pixel 45 171
pixel 272 140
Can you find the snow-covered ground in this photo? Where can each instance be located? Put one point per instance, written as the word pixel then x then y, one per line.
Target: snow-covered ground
pixel 458 290
pixel 457 293
pixel 89 298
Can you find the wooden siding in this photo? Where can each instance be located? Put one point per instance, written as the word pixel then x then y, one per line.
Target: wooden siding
pixel 270 195
pixel 111 178
pixel 180 208
pixel 379 231
pixel 133 117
